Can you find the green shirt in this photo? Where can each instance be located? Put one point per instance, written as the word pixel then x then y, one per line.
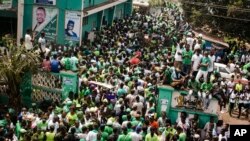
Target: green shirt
pixel 204 61
pixel 150 138
pixel 42 126
pixel 72 118
pixel 187 56
pixel 206 86
pixel 123 137
pixel 108 130
pixel 170 132
pixel 194 85
pixel 104 136
pixel 50 136
pixel 182 137
pixel 168 77
pixel 121 92
pixel 74 63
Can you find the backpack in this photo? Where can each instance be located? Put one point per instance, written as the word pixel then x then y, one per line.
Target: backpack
pixel 67 64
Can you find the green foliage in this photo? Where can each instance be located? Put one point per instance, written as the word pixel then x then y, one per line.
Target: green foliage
pixel 13 65
pixel 229 16
pixel 196 17
pixel 156 3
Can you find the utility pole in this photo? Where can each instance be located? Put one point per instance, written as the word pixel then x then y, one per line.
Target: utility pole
pixel 20 9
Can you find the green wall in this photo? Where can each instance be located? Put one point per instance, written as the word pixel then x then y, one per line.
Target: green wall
pixel 203 117
pixel 165 93
pixel 27 15
pixel 99 1
pixel 119 11
pixel 72 5
pixel 91 18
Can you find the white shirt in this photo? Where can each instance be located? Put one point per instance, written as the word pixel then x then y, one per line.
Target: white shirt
pixel 139 106
pixel 221 137
pixel 197 46
pixel 135 136
pixel 196 61
pixel 42 41
pixel 91 136
pixel 247 58
pixel 232 67
pixel 230 85
pixel 27 42
pixel 130 97
pixel 211 65
pixel 178 57
pixel 190 41
pixel 243 59
pixel 232 97
pixel 241 98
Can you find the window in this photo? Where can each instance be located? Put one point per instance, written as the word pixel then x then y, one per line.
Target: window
pixel 94 24
pixel 85 21
pixel 223 70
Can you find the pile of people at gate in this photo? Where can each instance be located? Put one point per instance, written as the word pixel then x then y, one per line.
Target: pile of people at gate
pixel 135 55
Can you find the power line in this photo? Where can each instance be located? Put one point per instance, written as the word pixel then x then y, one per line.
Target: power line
pixel 225 17
pixel 214 6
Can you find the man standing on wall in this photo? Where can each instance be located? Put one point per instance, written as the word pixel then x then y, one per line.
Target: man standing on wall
pixel 28 40
pixel 42 43
pixel 203 71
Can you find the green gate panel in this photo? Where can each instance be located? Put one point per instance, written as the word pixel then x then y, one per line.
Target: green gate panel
pixel 69 83
pixel 164 100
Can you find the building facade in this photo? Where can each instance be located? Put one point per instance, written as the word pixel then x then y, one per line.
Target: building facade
pixel 8 17
pixel 65 21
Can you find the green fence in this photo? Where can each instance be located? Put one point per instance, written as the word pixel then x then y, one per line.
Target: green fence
pixel 44 85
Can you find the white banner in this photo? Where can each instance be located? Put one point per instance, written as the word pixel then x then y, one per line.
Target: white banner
pixel 5 4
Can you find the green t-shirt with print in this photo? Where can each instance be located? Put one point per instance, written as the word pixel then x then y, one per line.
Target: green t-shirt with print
pixel 205 60
pixel 187 56
pixel 206 86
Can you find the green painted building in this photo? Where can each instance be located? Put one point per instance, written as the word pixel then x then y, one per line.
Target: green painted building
pixel 71 20
pixel 8 17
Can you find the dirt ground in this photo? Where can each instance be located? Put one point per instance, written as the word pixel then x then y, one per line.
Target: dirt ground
pixel 234 120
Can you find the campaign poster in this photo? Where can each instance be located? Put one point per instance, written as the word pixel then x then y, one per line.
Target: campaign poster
pixel 5 4
pixel 45 20
pixel 45 2
pixel 72 25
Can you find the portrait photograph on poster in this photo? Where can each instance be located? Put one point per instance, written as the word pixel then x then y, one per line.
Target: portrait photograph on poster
pixel 46 2
pixel 44 20
pixel 72 25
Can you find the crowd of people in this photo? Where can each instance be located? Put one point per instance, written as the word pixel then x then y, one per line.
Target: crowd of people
pixel 135 55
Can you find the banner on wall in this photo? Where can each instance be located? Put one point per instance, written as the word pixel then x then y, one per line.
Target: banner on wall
pixel 72 25
pixel 45 20
pixel 5 4
pixel 45 2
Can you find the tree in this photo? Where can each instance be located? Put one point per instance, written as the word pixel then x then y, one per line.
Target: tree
pixel 228 16
pixel 14 63
pixel 156 3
